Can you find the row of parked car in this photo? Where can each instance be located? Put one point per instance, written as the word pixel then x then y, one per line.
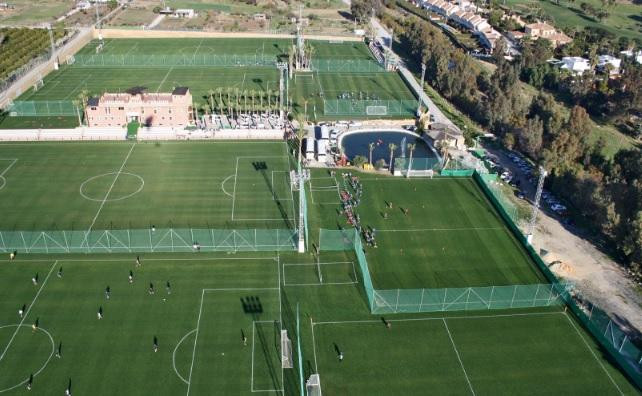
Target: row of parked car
pixel 529 173
pixel 532 177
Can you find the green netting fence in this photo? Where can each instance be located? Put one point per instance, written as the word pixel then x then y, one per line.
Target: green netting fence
pixel 599 324
pixel 417 166
pixel 490 183
pixel 457 172
pixel 370 108
pixel 42 108
pixel 347 66
pixel 133 60
pixel 148 240
pixel 467 299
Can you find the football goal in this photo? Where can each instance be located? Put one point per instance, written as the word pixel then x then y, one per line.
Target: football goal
pixel 313 385
pixel 286 350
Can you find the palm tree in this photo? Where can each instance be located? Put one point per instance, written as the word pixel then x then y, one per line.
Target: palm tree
pixel 210 92
pixel 219 91
pixel 411 148
pixel 82 98
pixel 392 147
pixel 300 134
pixel 229 102
pixel 269 93
pixel 371 147
pixel 77 106
pixel 252 95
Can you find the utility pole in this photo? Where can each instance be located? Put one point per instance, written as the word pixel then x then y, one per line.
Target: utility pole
pixel 283 67
pixel 538 196
pixel 421 86
pixel 53 46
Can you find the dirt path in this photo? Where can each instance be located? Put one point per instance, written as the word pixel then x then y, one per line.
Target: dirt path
pixel 596 276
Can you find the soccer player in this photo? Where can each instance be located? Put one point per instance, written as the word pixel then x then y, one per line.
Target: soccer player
pixel 341 356
pixel 12 256
pixel 137 261
pixel 107 292
pixel 29 381
pixel 151 288
pixel 155 344
pixel 100 313
pixel 131 276
pixel 59 351
pixel 34 280
pixel 34 326
pixel 22 310
pixel 168 288
pixel 60 273
pixel 243 338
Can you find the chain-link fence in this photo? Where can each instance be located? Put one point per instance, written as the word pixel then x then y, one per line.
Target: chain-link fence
pixel 417 166
pixel 42 108
pixel 347 66
pixel 133 60
pixel 148 240
pixel 369 108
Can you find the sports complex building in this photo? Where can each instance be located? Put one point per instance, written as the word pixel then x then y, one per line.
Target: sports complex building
pixel 228 265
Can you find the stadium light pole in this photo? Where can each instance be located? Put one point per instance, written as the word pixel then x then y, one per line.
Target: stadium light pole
pixel 421 87
pixel 53 46
pixel 538 195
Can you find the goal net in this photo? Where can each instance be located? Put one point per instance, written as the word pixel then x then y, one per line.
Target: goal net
pixel 313 385
pixel 286 350
pixel 39 84
pixel 377 110
pixel 71 60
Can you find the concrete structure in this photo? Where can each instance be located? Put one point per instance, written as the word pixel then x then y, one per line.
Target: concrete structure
pixel 544 30
pixel 605 62
pixel 150 109
pixel 489 37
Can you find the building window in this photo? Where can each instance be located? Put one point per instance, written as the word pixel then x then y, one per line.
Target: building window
pixel 121 108
pixel 170 111
pixel 154 111
pixel 93 108
pixel 170 118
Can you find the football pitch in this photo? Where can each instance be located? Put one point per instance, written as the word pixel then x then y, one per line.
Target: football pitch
pixel 226 84
pixel 217 318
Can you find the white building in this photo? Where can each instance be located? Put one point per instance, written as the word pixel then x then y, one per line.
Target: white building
pixel 83 5
pixel 631 54
pixel 603 62
pixel 184 13
pixel 575 64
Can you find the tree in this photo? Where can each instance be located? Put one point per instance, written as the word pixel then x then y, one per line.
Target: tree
pixel 300 135
pixel 82 97
pixel 411 148
pixel 359 161
pixel 210 92
pixel 509 141
pixel 392 147
pixel 362 10
pixel 77 104
pixel 371 147
pixel 530 137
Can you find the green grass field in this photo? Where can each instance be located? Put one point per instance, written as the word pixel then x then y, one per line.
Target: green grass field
pixel 216 300
pixel 451 236
pixel 624 17
pixel 126 185
pixel 67 83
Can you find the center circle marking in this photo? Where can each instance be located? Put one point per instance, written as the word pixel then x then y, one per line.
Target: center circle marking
pixel 84 195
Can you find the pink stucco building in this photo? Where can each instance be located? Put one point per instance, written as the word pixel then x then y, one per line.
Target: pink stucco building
pixel 149 109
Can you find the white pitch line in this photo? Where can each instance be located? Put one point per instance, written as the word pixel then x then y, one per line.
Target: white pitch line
pixel 240 289
pixel 278 268
pixel 223 185
pixel 109 191
pixel 198 323
pixel 314 346
pixel 13 161
pixel 459 357
pixel 236 174
pixel 439 318
pixel 24 317
pixel 164 78
pixel 444 229
pixel 593 353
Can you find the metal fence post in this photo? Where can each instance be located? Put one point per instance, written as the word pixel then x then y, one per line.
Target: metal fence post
pixel 513 299
pixel 421 302
pixel 397 305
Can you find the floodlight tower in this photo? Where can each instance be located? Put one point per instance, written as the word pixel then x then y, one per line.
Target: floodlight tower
pixel 283 67
pixel 53 46
pixel 300 41
pixel 538 196
pixel 97 15
pixel 421 87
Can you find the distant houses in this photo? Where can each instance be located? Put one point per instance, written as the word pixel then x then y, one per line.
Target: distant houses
pixel 546 31
pixel 463 13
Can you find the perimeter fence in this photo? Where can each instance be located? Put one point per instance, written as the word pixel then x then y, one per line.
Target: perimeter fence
pixel 369 107
pixel 148 240
pixel 42 108
pixel 133 60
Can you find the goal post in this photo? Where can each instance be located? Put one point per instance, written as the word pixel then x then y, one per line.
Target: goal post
pixel 313 385
pixel 286 350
